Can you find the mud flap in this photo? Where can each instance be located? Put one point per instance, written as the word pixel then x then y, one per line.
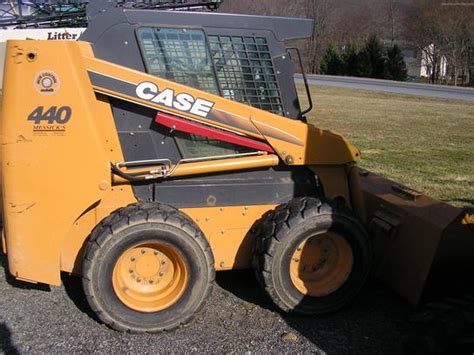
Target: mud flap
pixel 420 244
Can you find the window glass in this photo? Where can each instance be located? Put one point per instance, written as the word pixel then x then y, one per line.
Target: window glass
pixel 182 56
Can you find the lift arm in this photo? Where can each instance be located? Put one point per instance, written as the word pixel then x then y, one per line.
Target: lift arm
pixel 295 142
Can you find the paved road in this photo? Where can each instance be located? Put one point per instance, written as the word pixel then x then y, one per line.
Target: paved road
pixel 441 91
pixel 237 319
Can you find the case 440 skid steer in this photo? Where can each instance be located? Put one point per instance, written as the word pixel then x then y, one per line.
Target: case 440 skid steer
pixel 164 146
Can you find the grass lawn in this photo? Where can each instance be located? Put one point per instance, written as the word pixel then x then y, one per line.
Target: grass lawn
pixel 424 143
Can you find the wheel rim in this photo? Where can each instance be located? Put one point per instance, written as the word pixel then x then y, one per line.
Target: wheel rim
pixel 150 277
pixel 321 264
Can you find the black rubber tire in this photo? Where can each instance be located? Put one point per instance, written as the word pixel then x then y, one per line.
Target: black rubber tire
pixel 284 229
pixel 132 225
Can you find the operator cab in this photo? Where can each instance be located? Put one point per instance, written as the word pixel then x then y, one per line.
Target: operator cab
pixel 239 57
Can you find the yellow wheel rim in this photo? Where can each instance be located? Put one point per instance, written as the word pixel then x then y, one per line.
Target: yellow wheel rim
pixel 150 277
pixel 321 264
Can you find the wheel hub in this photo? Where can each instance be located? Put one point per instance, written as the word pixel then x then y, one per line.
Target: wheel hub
pixel 321 264
pixel 147 263
pixel 149 278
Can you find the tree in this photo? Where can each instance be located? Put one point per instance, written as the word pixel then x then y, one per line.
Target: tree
pixel 457 34
pixel 261 7
pixel 441 33
pixel 470 61
pixel 396 66
pixel 331 64
pixel 372 61
pixel 350 60
pixel 321 11
pixel 424 29
pixel 393 17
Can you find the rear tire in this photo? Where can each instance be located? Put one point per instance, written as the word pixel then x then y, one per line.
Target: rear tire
pixel 147 268
pixel 312 257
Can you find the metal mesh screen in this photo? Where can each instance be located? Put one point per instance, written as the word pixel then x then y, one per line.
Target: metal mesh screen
pixel 245 71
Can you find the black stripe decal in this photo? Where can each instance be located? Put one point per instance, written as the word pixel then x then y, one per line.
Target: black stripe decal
pixel 112 84
pixel 125 88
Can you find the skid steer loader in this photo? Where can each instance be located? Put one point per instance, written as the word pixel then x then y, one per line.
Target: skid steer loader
pixel 164 146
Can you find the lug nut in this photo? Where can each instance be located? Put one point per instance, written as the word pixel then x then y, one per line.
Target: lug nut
pixel 161 274
pixel 155 252
pixel 143 251
pixel 163 262
pixel 132 258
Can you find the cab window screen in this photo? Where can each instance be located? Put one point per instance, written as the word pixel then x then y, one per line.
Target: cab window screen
pixel 245 71
pixel 183 56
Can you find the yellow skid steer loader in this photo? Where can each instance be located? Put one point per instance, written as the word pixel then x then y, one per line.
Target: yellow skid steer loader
pixel 164 146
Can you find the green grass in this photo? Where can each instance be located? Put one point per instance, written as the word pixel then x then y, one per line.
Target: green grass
pixel 424 143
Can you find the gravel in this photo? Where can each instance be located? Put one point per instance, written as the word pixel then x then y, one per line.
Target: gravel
pixel 237 318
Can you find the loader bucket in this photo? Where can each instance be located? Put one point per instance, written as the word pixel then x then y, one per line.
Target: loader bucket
pixel 420 244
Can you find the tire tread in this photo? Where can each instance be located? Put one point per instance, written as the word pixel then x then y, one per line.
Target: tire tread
pixel 105 231
pixel 274 226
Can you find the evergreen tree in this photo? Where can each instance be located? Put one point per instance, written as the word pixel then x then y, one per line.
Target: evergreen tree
pixel 396 66
pixel 350 60
pixel 372 61
pixel 331 63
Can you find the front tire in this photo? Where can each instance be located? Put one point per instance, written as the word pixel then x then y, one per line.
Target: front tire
pixel 312 257
pixel 147 268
